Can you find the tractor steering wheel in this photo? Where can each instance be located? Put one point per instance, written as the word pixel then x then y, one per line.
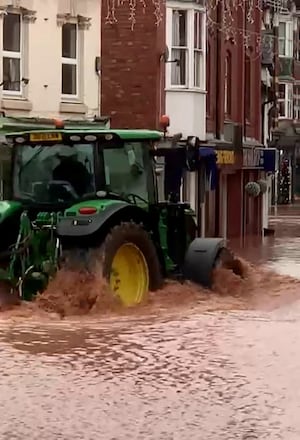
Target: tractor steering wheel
pixel 64 185
pixel 135 196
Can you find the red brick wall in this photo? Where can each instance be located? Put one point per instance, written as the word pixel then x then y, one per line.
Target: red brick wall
pixel 237 51
pixel 132 75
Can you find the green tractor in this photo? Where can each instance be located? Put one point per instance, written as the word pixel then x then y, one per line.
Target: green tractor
pixel 79 196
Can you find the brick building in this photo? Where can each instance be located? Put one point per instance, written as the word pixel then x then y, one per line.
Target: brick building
pixel 234 117
pixel 132 65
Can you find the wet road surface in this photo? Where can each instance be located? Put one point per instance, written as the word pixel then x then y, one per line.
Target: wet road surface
pixel 193 373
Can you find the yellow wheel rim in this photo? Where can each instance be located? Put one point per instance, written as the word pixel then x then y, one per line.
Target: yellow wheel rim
pixel 129 275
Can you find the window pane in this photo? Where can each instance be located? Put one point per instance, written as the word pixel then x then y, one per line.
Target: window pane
pixel 197 68
pixel 281 48
pixel 11 74
pixel 125 169
pixel 178 70
pixel 12 32
pixel 69 80
pixel 179 28
pixel 281 90
pixel 69 41
pixel 281 109
pixel 198 30
pixel 281 30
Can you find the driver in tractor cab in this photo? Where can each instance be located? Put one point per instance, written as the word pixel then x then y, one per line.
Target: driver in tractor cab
pixel 70 169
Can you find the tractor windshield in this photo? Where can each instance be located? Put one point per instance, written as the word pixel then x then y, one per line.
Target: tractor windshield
pixel 54 174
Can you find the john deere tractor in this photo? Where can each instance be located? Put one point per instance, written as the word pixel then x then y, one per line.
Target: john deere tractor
pixel 88 195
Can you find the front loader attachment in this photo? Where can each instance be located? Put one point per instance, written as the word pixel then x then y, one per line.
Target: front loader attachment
pixel 206 254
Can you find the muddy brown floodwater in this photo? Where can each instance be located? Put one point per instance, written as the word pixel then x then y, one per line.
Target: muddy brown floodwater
pixel 189 365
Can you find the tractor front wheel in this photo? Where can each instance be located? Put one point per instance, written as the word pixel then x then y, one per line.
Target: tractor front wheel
pixel 130 263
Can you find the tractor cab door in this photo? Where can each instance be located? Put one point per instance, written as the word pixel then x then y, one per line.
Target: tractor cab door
pixel 177 222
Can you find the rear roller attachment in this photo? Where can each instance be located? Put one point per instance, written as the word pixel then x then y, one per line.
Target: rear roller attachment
pixel 206 254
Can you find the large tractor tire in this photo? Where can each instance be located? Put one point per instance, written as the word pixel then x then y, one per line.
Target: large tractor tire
pixel 129 263
pixel 203 256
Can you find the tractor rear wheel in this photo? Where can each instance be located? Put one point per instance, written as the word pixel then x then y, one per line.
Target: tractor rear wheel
pixel 130 263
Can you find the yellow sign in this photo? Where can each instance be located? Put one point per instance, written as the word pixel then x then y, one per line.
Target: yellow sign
pixel 40 137
pixel 225 157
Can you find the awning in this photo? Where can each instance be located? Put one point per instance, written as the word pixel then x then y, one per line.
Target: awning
pixel 209 157
pixel 206 152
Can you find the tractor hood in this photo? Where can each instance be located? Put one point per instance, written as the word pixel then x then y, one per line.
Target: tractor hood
pixel 86 218
pixel 9 209
pixel 97 205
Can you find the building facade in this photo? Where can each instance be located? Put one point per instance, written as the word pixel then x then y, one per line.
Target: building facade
pixel 234 121
pixel 49 51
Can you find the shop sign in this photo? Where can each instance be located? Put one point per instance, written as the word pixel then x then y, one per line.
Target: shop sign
pixel 253 158
pixel 261 158
pixel 225 157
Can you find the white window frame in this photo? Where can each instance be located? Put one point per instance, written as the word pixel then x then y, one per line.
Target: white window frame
pixel 190 49
pixel 287 100
pixel 297 102
pixel 73 62
pixel 288 38
pixel 198 50
pixel 15 55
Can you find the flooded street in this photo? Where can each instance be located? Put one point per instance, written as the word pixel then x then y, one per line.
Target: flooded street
pixel 190 366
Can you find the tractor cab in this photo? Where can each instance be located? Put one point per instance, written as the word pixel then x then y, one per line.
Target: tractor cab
pixel 58 168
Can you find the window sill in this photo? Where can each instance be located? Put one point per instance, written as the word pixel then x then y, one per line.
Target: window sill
pixel 185 89
pixel 16 104
pixel 72 107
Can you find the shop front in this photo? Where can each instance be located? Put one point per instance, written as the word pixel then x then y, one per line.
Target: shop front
pixel 227 169
pixel 258 167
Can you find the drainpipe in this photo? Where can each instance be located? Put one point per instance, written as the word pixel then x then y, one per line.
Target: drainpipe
pixel 276 88
pixel 218 79
pixel 218 76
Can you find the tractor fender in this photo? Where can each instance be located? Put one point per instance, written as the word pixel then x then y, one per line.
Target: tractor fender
pixel 87 225
pixel 200 259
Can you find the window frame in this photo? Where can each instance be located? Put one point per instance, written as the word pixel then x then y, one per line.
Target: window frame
pixel 183 49
pixel 198 50
pixel 288 38
pixel 70 61
pixel 190 83
pixel 296 102
pixel 288 103
pixel 14 55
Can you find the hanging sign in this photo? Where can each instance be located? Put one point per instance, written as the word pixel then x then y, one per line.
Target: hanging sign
pixel 260 158
pixel 225 157
pixel 253 158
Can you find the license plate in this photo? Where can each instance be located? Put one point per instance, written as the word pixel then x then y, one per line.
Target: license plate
pixel 40 137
